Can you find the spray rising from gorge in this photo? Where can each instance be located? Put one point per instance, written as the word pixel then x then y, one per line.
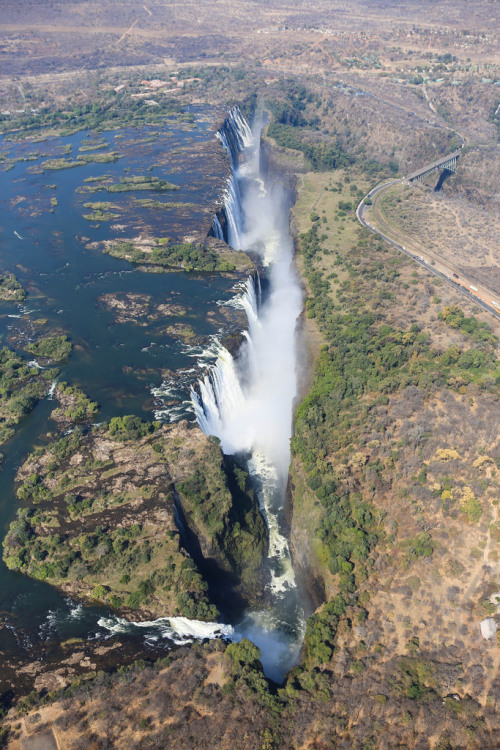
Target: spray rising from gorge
pixel 247 400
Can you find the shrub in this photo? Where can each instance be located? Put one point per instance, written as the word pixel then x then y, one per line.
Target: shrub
pixel 131 428
pixel 55 348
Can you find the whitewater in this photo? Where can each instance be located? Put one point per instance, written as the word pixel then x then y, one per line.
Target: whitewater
pixel 246 400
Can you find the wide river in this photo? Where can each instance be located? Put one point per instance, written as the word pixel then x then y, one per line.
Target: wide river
pixel 126 366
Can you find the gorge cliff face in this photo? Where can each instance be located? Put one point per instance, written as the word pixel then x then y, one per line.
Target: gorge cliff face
pixel 103 523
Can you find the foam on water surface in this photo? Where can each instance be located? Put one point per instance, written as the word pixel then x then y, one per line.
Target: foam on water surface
pixel 247 400
pixel 177 629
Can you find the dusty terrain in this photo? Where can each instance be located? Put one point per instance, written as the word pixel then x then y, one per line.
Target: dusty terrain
pixel 444 227
pixel 394 479
pixel 439 450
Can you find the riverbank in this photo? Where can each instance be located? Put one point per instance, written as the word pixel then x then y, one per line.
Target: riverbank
pixel 102 524
pixel 394 489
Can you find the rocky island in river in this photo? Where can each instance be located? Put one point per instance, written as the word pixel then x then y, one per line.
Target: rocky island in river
pixel 390 530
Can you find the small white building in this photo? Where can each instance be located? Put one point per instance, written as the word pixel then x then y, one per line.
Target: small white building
pixel 488 628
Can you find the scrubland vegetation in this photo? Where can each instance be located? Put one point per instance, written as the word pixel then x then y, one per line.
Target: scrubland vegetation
pixel 100 515
pixel 21 386
pixel 393 485
pixel 10 288
pixel 394 522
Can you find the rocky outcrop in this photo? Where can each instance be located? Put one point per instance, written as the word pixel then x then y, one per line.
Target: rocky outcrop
pixel 103 523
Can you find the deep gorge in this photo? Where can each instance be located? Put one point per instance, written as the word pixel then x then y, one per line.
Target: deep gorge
pixel 245 401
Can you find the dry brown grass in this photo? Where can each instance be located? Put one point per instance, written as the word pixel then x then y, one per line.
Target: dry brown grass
pixel 447 227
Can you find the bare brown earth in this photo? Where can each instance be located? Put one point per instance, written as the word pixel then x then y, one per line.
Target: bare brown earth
pixel 391 84
pixel 444 227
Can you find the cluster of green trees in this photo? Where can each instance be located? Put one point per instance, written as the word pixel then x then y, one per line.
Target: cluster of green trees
pixel 21 386
pixel 108 111
pixel 319 640
pixel 205 498
pixel 321 156
pixel 454 316
pixel 79 407
pixel 51 348
pixel 245 669
pixel 131 427
pixel 10 288
pixel 414 679
pixel 187 256
pixel 220 505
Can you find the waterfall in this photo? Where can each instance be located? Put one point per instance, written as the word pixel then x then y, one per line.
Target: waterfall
pixel 234 216
pixel 217 230
pixel 246 400
pixel 236 137
pixel 220 394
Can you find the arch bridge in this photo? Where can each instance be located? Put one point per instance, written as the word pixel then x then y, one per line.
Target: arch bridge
pixel 448 162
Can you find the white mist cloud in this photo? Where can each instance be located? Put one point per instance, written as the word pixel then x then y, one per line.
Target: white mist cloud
pixel 248 403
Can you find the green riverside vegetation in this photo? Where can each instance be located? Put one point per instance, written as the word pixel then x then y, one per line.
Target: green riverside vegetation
pixel 187 256
pixel 10 288
pixel 21 387
pixel 99 515
pixel 50 348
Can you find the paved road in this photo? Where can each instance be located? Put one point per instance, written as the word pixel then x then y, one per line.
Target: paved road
pixel 482 297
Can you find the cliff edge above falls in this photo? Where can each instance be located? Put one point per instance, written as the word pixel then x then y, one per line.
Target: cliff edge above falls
pixel 101 519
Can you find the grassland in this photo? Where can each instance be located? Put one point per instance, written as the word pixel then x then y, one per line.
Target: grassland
pixel 443 228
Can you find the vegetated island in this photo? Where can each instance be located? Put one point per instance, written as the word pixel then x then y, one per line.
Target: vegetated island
pixel 80 161
pixel 158 254
pixel 394 473
pixel 10 288
pixel 74 407
pixel 50 348
pixel 21 386
pixel 393 509
pixel 101 520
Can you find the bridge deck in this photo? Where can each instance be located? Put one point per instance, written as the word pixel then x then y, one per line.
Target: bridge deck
pixel 434 165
